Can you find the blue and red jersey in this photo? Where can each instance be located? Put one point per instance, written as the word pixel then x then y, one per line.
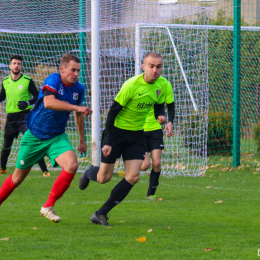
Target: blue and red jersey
pixel 46 123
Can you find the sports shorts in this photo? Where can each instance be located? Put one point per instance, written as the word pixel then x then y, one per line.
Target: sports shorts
pixel 33 149
pixel 15 123
pixel 128 144
pixel 153 140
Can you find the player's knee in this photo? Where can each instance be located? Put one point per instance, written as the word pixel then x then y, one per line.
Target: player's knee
pixel 157 165
pixel 133 179
pixel 72 167
pixel 103 179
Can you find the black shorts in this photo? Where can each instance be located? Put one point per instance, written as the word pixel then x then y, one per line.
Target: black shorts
pixel 15 123
pixel 153 140
pixel 128 144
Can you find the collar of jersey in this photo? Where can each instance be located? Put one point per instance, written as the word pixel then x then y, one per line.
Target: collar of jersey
pixel 17 79
pixel 66 84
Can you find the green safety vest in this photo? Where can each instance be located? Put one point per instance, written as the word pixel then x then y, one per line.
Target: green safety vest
pixel 16 91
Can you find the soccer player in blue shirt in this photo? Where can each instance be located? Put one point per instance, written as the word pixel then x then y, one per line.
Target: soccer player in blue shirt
pixel 61 93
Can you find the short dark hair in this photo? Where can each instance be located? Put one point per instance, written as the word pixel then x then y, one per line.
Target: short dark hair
pixel 152 54
pixel 66 58
pixel 17 57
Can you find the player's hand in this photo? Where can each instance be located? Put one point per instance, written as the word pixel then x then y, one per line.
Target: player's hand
pixel 169 128
pixel 85 110
pixel 106 150
pixel 161 120
pixel 82 147
pixel 23 104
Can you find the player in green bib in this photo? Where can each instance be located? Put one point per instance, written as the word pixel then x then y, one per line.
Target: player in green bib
pixel 123 134
pixel 17 89
pixel 154 142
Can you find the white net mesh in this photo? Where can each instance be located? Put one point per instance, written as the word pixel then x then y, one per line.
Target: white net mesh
pixel 42 31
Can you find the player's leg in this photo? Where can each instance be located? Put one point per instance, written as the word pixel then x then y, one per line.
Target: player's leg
pixel 8 141
pixel 146 162
pixel 69 164
pixel 29 154
pixel 133 155
pixel 12 182
pixel 100 174
pixel 155 145
pixel 60 152
pixel 155 173
pixel 103 173
pixel 120 191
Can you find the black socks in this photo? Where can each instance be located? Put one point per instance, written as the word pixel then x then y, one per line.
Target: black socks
pixel 92 173
pixel 42 165
pixel 4 157
pixel 119 192
pixel 154 182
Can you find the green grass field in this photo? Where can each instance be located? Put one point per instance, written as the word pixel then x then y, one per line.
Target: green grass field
pixel 185 223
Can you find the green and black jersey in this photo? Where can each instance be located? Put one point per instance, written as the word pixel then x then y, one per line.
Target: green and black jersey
pixel 137 97
pixel 151 123
pixel 18 90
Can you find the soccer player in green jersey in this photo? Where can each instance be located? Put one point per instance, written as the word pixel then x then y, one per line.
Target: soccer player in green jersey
pixel 123 134
pixel 17 89
pixel 154 142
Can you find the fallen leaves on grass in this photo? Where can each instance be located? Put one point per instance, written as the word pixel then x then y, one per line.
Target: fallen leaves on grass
pixel 209 187
pixel 203 173
pixel 213 166
pixel 121 173
pixel 6 238
pixel 169 227
pixel 219 201
pixel 34 228
pixel 224 169
pixel 149 230
pixel 208 248
pixel 108 227
pixel 122 221
pixel 141 239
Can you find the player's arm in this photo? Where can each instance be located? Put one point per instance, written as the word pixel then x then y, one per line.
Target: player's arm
pixel 33 90
pixel 2 94
pixel 52 103
pixel 79 121
pixel 171 116
pixel 113 112
pixel 158 110
pixel 111 116
pixel 169 100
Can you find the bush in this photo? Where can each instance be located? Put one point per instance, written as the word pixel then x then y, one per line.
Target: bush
pixel 256 131
pixel 219 136
pixel 220 133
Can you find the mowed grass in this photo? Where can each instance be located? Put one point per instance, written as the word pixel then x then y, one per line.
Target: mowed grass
pixel 185 223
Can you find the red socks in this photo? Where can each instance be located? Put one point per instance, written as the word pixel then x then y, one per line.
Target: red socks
pixel 7 188
pixel 59 187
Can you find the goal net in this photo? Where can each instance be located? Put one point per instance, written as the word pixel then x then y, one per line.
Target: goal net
pixel 42 31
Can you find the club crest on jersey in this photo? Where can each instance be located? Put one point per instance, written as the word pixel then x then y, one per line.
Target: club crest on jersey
pixel 75 96
pixel 61 90
pixel 158 92
pixel 20 87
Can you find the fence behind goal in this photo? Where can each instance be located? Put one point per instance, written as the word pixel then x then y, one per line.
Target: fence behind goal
pixel 45 30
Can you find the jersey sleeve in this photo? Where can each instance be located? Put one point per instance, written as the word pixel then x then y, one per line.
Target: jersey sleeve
pixel 2 93
pixel 125 94
pixel 169 94
pixel 51 83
